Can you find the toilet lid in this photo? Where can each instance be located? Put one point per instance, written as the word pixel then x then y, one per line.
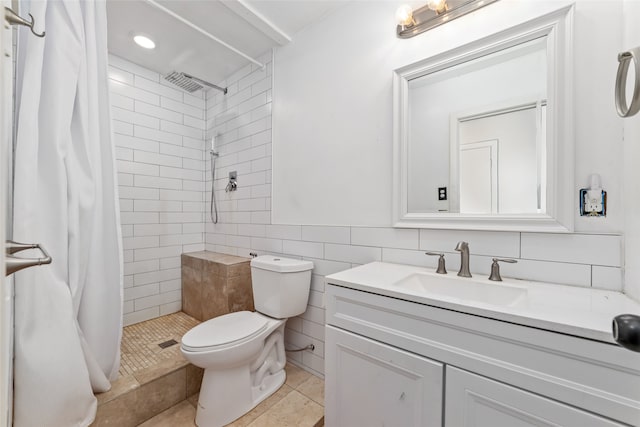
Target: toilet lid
pixel 224 330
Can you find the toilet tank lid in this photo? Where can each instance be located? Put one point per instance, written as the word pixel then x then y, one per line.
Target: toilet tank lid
pixel 280 264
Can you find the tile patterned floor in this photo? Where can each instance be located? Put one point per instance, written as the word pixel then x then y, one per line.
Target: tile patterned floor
pixel 139 348
pixel 299 402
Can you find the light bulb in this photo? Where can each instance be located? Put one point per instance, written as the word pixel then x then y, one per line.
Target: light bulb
pixel 404 15
pixel 144 41
pixel 437 5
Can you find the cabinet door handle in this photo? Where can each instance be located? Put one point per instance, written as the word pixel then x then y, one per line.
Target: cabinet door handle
pixel 626 331
pixel 14 263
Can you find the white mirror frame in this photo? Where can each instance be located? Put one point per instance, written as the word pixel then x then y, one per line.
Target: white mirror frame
pixel 558 29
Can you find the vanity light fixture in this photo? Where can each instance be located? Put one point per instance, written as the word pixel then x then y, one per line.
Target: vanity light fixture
pixel 438 6
pixel 404 16
pixel 144 41
pixel 434 13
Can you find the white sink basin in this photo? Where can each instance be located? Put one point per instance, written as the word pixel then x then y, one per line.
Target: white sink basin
pixel 462 289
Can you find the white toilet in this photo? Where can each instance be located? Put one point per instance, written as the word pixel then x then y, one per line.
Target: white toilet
pixel 242 353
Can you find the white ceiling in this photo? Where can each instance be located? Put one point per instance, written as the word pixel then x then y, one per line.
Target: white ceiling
pixel 251 26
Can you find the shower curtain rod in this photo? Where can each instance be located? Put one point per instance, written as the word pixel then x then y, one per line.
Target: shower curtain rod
pixel 200 30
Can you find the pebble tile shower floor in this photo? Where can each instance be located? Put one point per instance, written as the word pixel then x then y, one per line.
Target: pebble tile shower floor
pixel 140 342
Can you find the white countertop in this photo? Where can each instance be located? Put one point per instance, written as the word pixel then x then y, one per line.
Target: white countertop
pixel 583 312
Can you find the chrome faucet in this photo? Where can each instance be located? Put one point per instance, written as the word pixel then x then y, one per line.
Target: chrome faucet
pixel 463 248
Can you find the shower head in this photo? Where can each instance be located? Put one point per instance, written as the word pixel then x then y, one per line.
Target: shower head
pixel 190 83
pixel 182 81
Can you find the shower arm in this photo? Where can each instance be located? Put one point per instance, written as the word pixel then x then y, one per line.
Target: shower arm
pixel 206 83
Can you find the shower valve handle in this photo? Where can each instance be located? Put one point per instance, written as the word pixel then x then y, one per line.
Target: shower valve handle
pixel 233 183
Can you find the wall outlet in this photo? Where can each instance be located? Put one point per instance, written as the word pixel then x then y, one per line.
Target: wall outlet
pixel 442 193
pixel 593 202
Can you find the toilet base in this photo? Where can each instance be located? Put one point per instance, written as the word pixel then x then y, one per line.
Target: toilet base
pixel 271 385
pixel 228 394
pixel 218 412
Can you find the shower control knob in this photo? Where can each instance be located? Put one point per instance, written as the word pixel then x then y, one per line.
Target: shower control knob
pixel 626 331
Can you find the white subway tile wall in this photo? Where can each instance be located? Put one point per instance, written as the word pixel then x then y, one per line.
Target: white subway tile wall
pixel 242 125
pixel 159 137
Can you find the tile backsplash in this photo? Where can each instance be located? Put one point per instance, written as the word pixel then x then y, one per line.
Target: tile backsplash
pixel 242 124
pixel 161 136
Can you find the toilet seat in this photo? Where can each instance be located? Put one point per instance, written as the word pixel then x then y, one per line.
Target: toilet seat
pixel 224 331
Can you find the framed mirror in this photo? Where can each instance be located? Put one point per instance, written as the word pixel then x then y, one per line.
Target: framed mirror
pixel 483 134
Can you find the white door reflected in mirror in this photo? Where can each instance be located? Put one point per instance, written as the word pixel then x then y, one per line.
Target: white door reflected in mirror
pixel 503 155
pixel 479 177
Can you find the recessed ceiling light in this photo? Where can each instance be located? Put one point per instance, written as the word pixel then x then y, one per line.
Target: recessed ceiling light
pixel 144 41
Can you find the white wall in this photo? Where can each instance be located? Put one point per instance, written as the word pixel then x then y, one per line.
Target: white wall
pixel 243 120
pixel 631 167
pixel 333 107
pixel 159 138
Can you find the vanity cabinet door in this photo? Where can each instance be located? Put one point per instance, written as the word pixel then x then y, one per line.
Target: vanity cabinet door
pixel 475 401
pixel 372 384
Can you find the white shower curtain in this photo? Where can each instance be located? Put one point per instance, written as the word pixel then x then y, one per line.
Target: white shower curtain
pixel 68 314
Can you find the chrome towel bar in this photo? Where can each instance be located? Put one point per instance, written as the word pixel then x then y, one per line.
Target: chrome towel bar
pixel 13 263
pixel 625 59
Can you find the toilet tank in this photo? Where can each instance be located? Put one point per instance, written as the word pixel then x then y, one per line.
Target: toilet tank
pixel 280 285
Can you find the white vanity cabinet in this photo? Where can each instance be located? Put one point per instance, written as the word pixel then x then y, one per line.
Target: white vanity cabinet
pixel 475 401
pixel 400 363
pixel 375 384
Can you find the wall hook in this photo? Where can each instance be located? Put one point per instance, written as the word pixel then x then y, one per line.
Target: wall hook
pixel 14 19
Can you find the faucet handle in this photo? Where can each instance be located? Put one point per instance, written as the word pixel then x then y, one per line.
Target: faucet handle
pixel 441 268
pixel 461 246
pixel 495 268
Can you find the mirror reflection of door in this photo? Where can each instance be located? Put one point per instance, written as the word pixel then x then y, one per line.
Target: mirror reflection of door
pixel 510 182
pixel 479 177
pixel 494 88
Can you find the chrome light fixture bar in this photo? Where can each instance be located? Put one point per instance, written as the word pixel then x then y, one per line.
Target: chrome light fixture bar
pixel 436 12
